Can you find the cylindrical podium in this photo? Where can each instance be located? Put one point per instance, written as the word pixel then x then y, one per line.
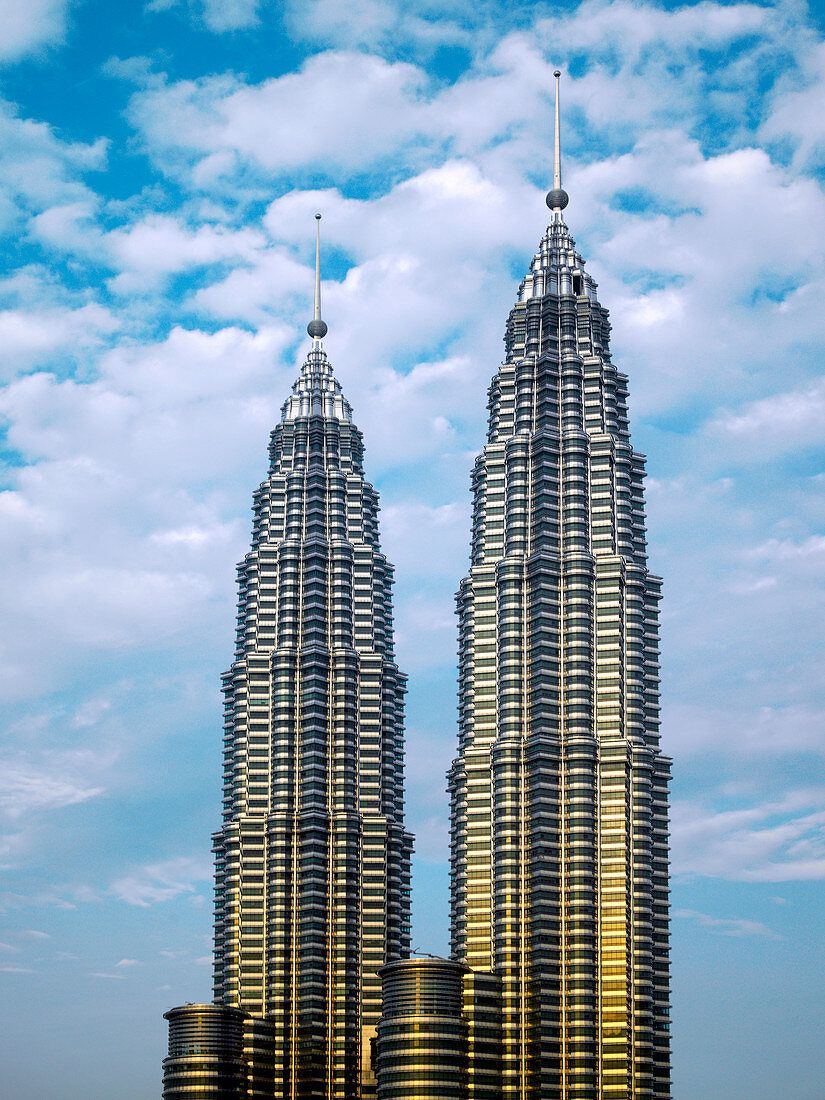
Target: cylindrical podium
pixel 206 1054
pixel 422 1036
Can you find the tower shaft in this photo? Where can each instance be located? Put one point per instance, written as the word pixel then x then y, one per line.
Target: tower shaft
pixel 559 792
pixel 312 859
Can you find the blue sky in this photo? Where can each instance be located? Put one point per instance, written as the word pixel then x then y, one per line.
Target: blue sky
pixel 160 164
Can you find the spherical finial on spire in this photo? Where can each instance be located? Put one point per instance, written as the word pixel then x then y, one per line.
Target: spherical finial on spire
pixel 557 199
pixel 317 329
pixel 557 72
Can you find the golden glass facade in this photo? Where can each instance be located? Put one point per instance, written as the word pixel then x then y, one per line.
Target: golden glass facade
pixel 559 832
pixel 313 860
pixel 206 1059
pixel 421 1049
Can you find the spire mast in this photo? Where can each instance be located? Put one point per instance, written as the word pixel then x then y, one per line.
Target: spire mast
pixel 558 198
pixel 557 147
pixel 316 327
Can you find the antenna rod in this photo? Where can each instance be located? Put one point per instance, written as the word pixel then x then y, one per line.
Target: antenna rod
pixel 316 327
pixel 558 198
pixel 557 150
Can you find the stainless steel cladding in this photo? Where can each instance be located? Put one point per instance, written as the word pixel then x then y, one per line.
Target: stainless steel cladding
pixel 559 829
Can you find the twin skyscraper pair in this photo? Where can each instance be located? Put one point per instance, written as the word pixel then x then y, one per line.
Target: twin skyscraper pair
pixel 558 984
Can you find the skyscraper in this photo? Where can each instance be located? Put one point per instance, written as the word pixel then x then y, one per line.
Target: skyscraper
pixel 312 859
pixel 559 842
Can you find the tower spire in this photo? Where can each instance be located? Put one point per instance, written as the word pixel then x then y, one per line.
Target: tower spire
pixel 558 198
pixel 316 327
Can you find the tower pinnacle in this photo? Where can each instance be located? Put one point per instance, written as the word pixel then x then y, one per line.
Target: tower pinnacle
pixel 558 198
pixel 316 327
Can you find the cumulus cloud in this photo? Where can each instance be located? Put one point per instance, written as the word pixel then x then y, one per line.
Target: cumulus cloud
pixel 118 491
pixel 154 370
pixel 211 127
pixel 159 246
pixel 463 149
pixel 797 110
pixel 424 25
pixel 696 729
pixel 39 170
pixel 147 341
pixel 26 28
pixel 31 338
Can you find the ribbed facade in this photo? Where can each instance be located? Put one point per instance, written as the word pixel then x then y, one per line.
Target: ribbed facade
pixel 559 830
pixel 482 1011
pixel 206 1054
pixel 421 1052
pixel 312 860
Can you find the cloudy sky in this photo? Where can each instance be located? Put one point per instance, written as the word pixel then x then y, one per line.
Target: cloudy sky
pixel 160 164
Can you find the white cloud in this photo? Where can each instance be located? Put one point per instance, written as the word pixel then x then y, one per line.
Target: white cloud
pixel 39 170
pixel 254 291
pixel 33 337
pixel 781 422
pixel 371 22
pixel 773 841
pixel 119 494
pixel 91 712
pixel 29 27
pixel 157 883
pixel 313 117
pixel 358 23
pixel 461 150
pixel 786 549
pixel 423 540
pixel 159 245
pixel 797 110
pixel 432 840
pixel 230 15
pixel 26 788
pixel 727 926
pixel 425 630
pixel 69 226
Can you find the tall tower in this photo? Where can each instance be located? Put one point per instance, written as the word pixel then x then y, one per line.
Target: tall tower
pixel 559 832
pixel 312 859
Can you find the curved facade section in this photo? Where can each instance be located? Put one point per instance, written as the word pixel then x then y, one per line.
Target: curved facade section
pixel 422 1044
pixel 206 1054
pixel 559 842
pixel 313 860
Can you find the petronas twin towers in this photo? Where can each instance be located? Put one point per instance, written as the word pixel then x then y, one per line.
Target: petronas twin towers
pixel 558 986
